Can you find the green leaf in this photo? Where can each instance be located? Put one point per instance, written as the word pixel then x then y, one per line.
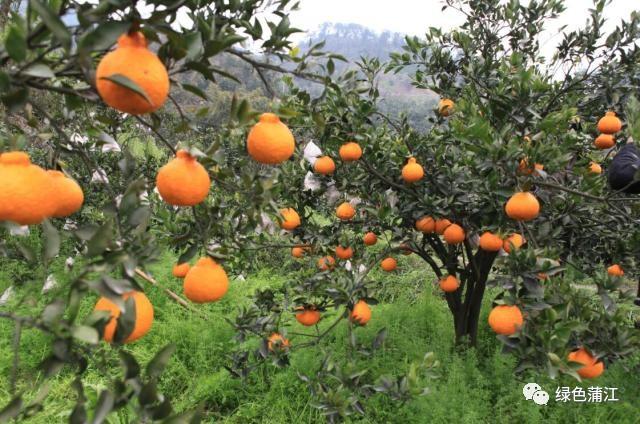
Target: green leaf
pixel 27 251
pixel 11 410
pixel 53 311
pixel 86 334
pixel 51 240
pixel 103 407
pixel 16 43
pixel 99 241
pixel 156 366
pixel 103 36
pixel 53 22
pixel 5 82
pixel 194 46
pixel 39 70
pixel 125 82
pixel 131 367
pixel 195 90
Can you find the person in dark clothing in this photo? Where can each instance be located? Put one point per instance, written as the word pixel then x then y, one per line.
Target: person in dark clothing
pixel 623 169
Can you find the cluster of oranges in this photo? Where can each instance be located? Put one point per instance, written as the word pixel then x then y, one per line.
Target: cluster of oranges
pixel 29 194
pixel 608 125
pixel 183 181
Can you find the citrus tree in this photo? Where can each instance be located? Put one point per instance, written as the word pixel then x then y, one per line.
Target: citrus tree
pixel 506 190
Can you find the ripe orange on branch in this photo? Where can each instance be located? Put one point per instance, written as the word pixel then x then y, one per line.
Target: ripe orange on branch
pixel 181 270
pixel 370 239
pixel 604 141
pixel 446 107
pixel 449 284
pixel 307 316
pixel 505 319
pixel 26 190
pixel 389 264
pixel 426 224
pixel 133 60
pixel 277 342
pixel 412 171
pixel 454 234
pixel 592 367
pixel 609 123
pixel 514 241
pixel 206 281
pixel 595 168
pixel 344 252
pixel 350 152
pixel 270 141
pixel 345 211
pixel 361 313
pixel 522 206
pixel 324 165
pixel 290 219
pixel 68 193
pixel 298 251
pixel 143 315
pixel 183 181
pixel 525 169
pixel 326 263
pixel 441 225
pixel 615 270
pixel 490 242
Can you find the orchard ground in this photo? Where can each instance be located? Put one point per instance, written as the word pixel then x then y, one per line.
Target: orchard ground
pixel 411 308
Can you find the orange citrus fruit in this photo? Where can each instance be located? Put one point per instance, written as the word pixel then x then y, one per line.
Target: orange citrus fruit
pixel 133 60
pixel 270 141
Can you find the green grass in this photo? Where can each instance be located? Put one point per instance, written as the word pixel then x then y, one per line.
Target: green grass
pixel 475 386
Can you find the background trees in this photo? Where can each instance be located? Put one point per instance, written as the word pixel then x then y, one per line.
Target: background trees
pixel 510 106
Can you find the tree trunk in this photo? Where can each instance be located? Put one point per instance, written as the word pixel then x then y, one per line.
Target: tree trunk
pixel 467 312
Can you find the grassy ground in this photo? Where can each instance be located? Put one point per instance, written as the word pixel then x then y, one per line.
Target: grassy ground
pixel 474 387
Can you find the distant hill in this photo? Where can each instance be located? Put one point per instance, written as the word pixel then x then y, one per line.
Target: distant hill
pixel 354 41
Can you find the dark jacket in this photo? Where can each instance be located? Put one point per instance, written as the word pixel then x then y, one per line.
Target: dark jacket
pixel 623 169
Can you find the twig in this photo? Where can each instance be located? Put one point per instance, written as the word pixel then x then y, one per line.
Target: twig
pixel 156 132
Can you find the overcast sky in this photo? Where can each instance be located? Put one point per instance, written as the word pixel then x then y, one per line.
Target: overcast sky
pixel 415 16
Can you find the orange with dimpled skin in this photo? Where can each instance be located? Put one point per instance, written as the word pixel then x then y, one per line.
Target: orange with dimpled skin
pixel 449 284
pixel 514 241
pixel 206 282
pixel 522 206
pixel 592 367
pixel 183 181
pixel 143 316
pixel 270 141
pixel 442 225
pixel 350 152
pixel 344 252
pixel 426 224
pixel 324 165
pixel 290 219
pixel 132 59
pixel 412 172
pixel 454 234
pixel 609 123
pixel 361 313
pixel 389 264
pixel 505 319
pixel 490 242
pixel 26 190
pixel 345 211
pixel 180 270
pixel 370 239
pixel 68 193
pixel 307 316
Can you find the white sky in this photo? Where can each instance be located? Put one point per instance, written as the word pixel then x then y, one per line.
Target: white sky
pixel 415 16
